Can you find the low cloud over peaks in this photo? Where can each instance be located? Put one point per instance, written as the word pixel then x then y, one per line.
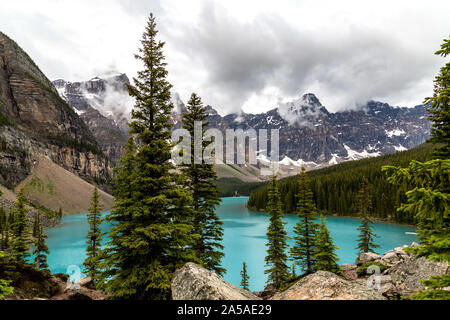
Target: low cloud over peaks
pixel 246 55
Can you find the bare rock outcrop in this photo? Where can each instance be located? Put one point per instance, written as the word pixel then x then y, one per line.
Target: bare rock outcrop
pixel 407 274
pixel 193 282
pixel 349 271
pixel 368 257
pixel 35 120
pixel 325 285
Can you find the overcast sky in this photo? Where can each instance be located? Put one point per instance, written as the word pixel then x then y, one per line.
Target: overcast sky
pixel 242 54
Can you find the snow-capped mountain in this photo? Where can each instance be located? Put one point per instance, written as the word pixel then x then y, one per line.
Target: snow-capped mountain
pixel 104 104
pixel 310 135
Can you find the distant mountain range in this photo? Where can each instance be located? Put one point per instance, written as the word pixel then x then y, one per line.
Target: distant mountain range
pixel 81 127
pixel 310 135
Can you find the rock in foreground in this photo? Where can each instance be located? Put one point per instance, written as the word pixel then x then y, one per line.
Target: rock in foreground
pixel 325 285
pixel 193 282
pixel 408 274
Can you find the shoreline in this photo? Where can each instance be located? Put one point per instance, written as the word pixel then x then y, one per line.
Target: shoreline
pixel 376 219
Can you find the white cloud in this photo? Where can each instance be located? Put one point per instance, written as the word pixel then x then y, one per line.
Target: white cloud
pixel 245 54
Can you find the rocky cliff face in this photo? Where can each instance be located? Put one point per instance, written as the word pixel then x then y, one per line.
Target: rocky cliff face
pixel 312 136
pixel 101 103
pixel 309 134
pixel 35 120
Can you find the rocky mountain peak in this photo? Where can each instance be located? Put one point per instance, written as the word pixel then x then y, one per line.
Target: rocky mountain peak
pixel 40 123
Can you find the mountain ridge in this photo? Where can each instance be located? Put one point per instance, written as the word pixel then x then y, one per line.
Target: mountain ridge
pixel 40 123
pixel 310 135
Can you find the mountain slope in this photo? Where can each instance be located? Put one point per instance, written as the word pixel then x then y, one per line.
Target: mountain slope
pixel 53 187
pixel 101 103
pixel 310 135
pixel 335 188
pixel 38 122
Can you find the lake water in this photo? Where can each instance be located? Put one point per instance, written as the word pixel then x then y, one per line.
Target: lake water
pixel 244 240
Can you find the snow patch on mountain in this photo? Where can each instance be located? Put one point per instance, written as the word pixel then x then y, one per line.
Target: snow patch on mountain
pixel 355 155
pixel 400 148
pixel 396 133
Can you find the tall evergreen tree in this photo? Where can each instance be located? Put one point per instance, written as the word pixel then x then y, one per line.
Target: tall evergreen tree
pixel 60 213
pixel 302 253
pixel 325 253
pixel 439 109
pixel 94 239
pixel 366 238
pixel 152 218
pixel 276 258
pixel 428 200
pixel 40 247
pixel 4 229
pixel 36 225
pixel 201 181
pixel 20 232
pixel 244 277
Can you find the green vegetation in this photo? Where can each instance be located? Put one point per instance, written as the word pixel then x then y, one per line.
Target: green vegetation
pixel 303 251
pixel 19 248
pixel 276 258
pixel 48 212
pixel 439 110
pixel 63 276
pixel 200 182
pixel 230 187
pixel 335 188
pixel 94 238
pixel 4 229
pixel 366 242
pixel 325 250
pixel 28 283
pixel 362 271
pixel 81 146
pixel 244 277
pixel 40 247
pixel 152 228
pixel 5 288
pixel 428 194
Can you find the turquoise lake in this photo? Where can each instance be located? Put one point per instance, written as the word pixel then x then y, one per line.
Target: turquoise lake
pixel 244 240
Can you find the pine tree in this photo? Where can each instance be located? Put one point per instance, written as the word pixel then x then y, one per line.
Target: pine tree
pixel 428 200
pixel 36 226
pixel 201 178
pixel 40 247
pixel 4 229
pixel 19 248
pixel 94 239
pixel 115 256
pixel 325 253
pixel 366 238
pixel 244 277
pixel 152 218
pixel 60 213
pixel 302 253
pixel 276 258
pixel 439 107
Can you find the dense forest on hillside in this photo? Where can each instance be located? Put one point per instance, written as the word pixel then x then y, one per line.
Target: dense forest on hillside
pixel 335 188
pixel 230 187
